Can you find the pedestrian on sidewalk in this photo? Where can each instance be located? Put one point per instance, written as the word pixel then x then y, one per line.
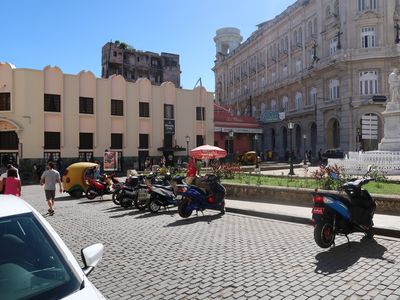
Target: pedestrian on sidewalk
pixel 320 155
pixel 50 178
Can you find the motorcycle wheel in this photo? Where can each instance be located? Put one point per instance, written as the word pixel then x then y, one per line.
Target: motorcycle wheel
pixel 91 193
pixel 125 201
pixel 115 196
pixel 183 210
pixel 222 210
pixel 324 235
pixel 153 206
pixel 139 204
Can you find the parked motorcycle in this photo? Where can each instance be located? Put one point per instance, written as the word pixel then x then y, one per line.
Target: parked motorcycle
pixel 164 195
pixel 134 193
pixel 199 199
pixel 104 186
pixel 335 214
pixel 129 182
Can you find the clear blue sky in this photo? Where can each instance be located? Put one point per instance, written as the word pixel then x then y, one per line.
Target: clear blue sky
pixel 70 34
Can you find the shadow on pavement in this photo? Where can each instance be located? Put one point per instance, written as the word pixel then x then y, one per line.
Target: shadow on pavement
pixel 195 219
pixel 66 198
pixel 340 258
pixel 94 201
pixel 127 214
pixel 117 208
pixel 163 212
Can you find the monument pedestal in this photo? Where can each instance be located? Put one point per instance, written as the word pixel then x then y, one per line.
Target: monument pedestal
pixel 391 140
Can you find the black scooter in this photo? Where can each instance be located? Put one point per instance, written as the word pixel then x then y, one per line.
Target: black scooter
pixel 334 214
pixel 164 195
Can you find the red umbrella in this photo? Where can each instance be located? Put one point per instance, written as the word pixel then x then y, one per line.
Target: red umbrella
pixel 207 152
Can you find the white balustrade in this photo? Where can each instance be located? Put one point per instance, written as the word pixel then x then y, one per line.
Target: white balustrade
pixel 386 162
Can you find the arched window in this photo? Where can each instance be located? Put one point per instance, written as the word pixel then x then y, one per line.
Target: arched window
pixel 368 83
pixel 334 89
pixel 273 105
pixel 313 138
pixel 282 45
pixel 295 37
pixel 284 71
pixel 336 134
pixel 285 103
pixel 313 96
pixel 286 43
pixel 310 30
pixel 300 38
pixel 315 26
pixel 263 107
pixel 298 139
pixel 299 100
pixel 273 143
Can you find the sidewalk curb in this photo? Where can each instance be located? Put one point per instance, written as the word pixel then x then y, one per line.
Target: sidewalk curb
pixel 300 220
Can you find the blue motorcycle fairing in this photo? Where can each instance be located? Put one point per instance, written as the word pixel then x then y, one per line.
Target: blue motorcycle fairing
pixel 337 206
pixel 199 199
pixel 194 193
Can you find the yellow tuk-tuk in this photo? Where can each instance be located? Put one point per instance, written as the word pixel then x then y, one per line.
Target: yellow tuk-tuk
pixel 74 181
pixel 249 158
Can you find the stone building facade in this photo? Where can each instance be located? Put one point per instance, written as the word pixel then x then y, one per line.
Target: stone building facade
pixel 47 115
pixel 324 63
pixel 121 59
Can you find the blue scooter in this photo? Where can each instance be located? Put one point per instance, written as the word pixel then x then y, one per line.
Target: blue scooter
pixel 195 198
pixel 334 214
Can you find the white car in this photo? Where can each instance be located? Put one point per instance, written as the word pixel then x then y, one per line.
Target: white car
pixel 34 261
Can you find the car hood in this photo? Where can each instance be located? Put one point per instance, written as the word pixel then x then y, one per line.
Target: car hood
pixel 89 292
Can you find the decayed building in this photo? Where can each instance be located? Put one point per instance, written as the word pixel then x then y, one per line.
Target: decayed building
pixel 324 63
pixel 121 59
pixel 46 114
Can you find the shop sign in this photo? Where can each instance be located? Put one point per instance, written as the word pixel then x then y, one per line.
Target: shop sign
pixel 271 116
pixel 169 126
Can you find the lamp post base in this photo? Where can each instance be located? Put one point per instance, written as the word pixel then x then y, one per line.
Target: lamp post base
pixel 291 171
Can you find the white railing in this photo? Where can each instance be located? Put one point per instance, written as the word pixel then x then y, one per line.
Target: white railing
pixel 356 163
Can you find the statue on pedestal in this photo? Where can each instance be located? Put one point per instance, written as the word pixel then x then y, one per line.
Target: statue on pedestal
pixel 391 115
pixel 394 86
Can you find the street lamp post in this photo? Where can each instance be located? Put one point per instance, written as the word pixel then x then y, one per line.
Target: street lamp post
pixel 255 149
pixel 291 126
pixel 305 152
pixel 187 147
pixel 230 143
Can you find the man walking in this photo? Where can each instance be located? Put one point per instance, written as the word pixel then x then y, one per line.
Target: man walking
pixel 49 178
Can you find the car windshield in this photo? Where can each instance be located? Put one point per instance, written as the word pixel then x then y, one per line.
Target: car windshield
pixel 31 266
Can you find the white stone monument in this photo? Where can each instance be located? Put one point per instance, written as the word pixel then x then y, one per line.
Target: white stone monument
pixel 391 135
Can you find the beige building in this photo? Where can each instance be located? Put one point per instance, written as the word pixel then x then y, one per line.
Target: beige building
pixel 45 114
pixel 324 63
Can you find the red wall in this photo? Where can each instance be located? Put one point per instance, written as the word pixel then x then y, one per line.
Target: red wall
pixel 241 141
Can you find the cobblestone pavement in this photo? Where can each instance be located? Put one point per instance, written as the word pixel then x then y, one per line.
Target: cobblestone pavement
pixel 162 256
